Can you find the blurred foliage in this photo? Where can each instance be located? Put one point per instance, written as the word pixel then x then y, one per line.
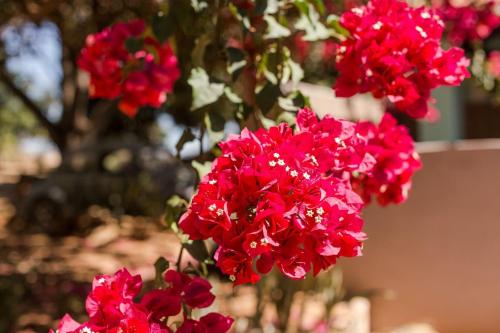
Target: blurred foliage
pixel 235 57
pixel 15 121
pixel 79 118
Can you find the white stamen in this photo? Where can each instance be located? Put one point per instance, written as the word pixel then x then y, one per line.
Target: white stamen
pixel 318 219
pixel 253 245
pixel 425 15
pixel 212 182
pixel 421 31
pixel 377 25
pixel 310 213
pixel 294 173
pixel 101 280
pixel 272 163
pixel 287 168
pixel 306 175
pixel 320 211
pixel 276 155
pixel 281 162
pixel 212 207
pixel 86 330
pixel 219 212
pixel 232 278
pixel 357 11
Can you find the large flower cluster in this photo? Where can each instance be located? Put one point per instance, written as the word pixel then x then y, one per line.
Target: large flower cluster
pixel 471 22
pixel 278 198
pixel 396 161
pixel 141 77
pixel 394 51
pixel 112 308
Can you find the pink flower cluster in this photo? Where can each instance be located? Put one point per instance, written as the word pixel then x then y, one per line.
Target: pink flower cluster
pixel 139 78
pixel 470 22
pixel 394 51
pixel 112 308
pixel 396 161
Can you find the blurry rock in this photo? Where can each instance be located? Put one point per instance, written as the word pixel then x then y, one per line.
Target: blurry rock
pixel 103 235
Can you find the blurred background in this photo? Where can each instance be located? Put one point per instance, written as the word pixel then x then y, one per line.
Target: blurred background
pixel 83 187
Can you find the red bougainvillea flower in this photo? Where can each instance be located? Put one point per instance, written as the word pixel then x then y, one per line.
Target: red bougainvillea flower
pixel 112 307
pixel 139 78
pixel 212 322
pixel 338 148
pixel 469 22
pixel 194 291
pixel 396 162
pixel 394 51
pixel 267 202
pixel 105 55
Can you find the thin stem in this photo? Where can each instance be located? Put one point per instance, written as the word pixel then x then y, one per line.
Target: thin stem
pixel 179 258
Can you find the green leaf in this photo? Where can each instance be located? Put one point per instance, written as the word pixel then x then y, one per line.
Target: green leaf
pixel 303 7
pixel 268 64
pixel 198 5
pixel 267 97
pixel 312 26
pixel 320 6
pixel 292 72
pixel 266 122
pixel 214 123
pixel 174 208
pixel 201 168
pixel 236 59
pixel 232 96
pixel 161 265
pixel 272 6
pixel 187 136
pixel 287 117
pixel 333 21
pixel 204 92
pixel 293 102
pixel 197 249
pixel 274 29
pixel 133 44
pixel 235 67
pixel 162 27
pixel 286 103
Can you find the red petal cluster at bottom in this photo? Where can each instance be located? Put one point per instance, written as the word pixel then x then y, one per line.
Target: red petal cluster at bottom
pixel 112 308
